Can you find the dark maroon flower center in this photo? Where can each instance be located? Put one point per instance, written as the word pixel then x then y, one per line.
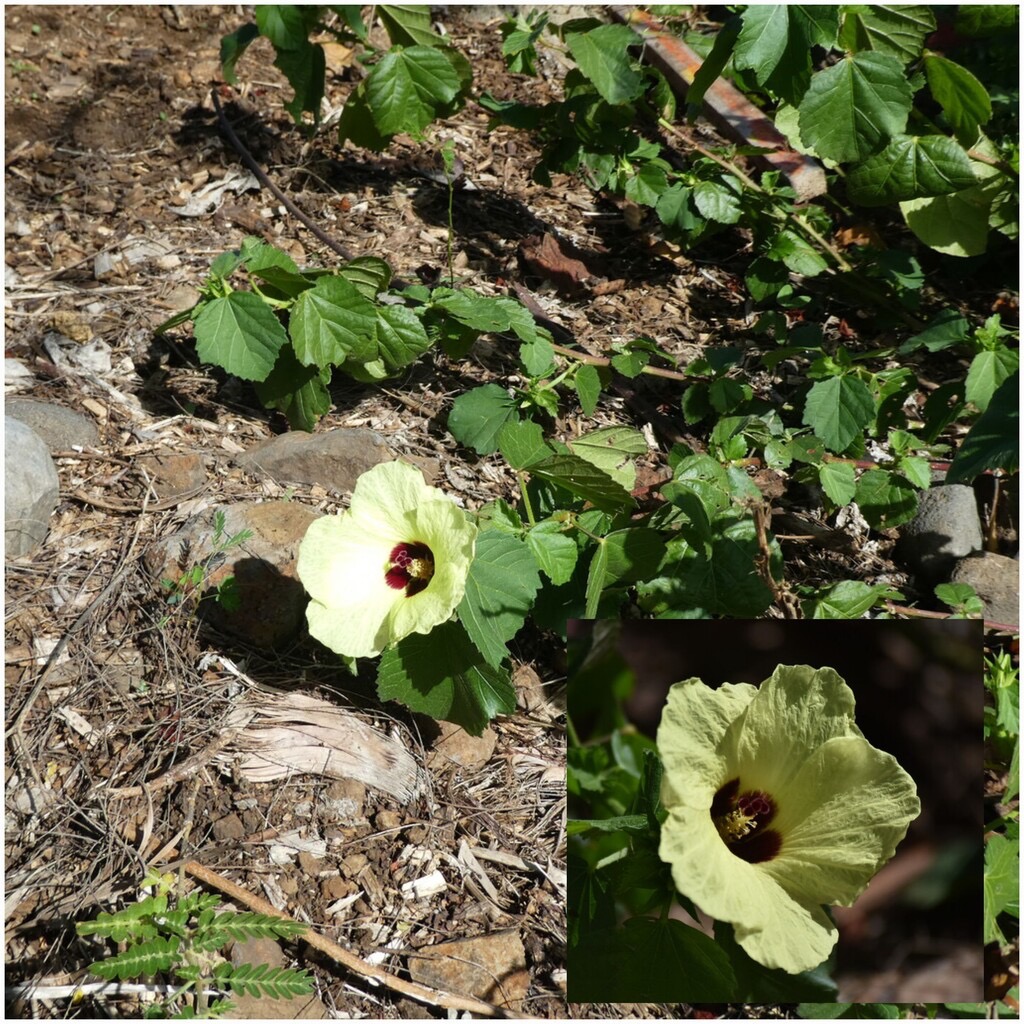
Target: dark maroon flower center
pixel 742 820
pixel 410 567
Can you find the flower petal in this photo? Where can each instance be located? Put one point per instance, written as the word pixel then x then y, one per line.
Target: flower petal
pixel 342 569
pixel 385 495
pixel 796 710
pixel 694 721
pixel 442 526
pixel 842 816
pixel 773 927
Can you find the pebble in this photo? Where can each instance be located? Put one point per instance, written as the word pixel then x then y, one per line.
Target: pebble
pixel 31 489
pixel 946 527
pixel 60 428
pixel 272 600
pixel 995 579
pixel 334 459
pixel 490 967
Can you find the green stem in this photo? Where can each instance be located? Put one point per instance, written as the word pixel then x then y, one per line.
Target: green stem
pixel 521 477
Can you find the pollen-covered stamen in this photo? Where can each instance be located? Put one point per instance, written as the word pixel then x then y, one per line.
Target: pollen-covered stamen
pixel 410 567
pixel 742 820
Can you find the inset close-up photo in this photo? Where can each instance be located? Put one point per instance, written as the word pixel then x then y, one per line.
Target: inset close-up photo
pixel 778 812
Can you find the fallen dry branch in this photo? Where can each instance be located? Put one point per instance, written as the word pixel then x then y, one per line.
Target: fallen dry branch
pixel 430 996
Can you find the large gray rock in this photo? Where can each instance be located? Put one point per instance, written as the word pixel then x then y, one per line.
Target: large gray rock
pixel 945 528
pixel 995 580
pixel 272 601
pixel 31 488
pixel 334 459
pixel 61 428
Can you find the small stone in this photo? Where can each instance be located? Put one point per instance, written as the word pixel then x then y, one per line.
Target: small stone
pixel 335 888
pixel 491 967
pixel 334 459
pixel 354 863
pixel 455 745
pixel 388 819
pixel 995 580
pixel 228 828
pixel 944 528
pixel 31 489
pixel 311 865
pixel 175 474
pixel 344 800
pixel 59 427
pixel 271 600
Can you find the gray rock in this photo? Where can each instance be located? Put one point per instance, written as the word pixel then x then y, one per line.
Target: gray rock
pixel 945 528
pixel 271 600
pixel 995 580
pixel 173 474
pixel 59 427
pixel 334 459
pixel 31 489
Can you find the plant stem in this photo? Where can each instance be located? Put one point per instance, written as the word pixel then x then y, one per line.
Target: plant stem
pixel 521 477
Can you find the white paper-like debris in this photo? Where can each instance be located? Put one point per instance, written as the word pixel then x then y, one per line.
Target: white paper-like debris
pixel 283 734
pixel 425 887
pixel 209 198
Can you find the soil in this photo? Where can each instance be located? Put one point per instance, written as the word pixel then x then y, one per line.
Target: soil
pixel 110 125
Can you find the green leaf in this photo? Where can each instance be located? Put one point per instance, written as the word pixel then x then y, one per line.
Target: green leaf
pixel 409 88
pixel 796 254
pixel 987 372
pixel 632 823
pixel 886 499
pixel 993 442
pixel 232 46
pixel 300 392
pixel 144 960
pixel 715 201
pixel 555 551
pixel 369 274
pixel 409 25
pixel 762 39
pixel 500 589
pixel 401 337
pixel 948 327
pixel 305 69
pixel 240 334
pixel 839 481
pixel 612 449
pixel 332 322
pixel 1001 886
pixel 486 314
pixel 910 166
pixel 848 1011
pixel 713 65
pixel 633 554
pixel 537 357
pixel 587 382
pixel 602 55
pixel 962 97
pixel 443 675
pixel 522 443
pixel 287 26
pixel 649 960
pixel 854 105
pixel 595 581
pixel 896 29
pixel 582 478
pixel 357 122
pixel 477 417
pixel 848 599
pixel 837 410
pixel 647 184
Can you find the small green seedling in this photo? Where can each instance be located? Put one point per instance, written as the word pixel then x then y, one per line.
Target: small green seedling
pixel 167 933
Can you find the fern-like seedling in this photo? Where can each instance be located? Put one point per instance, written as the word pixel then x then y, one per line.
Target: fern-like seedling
pixel 181 936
